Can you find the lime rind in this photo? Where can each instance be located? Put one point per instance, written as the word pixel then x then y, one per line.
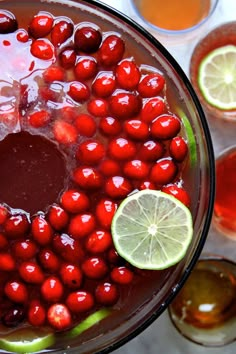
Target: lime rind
pixel 217 77
pixel 152 230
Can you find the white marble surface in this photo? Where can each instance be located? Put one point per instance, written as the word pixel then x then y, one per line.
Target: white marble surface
pixel 161 337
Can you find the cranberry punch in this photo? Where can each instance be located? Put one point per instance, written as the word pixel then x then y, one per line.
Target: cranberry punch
pixel 94 115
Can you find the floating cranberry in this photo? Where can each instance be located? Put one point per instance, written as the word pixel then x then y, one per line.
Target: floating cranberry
pixel 17 226
pixel 7 262
pixel 53 73
pixel 98 107
pixel 151 150
pixel 22 36
pixel 105 211
pixel 25 249
pixel 3 214
pixel 113 257
pixel 3 242
pixel 178 148
pixel 85 125
pixel 151 85
pixel 136 169
pixel 31 272
pixel 99 241
pixel 87 177
pixel 36 314
pixel 48 260
pixel 165 126
pixel 41 230
pixel 104 84
pixel 124 104
pixel 152 108
pixel 85 68
pixel 52 289
pixel 80 301
pixel 111 50
pixel 59 317
pixel 136 129
pixel 61 31
pixel 95 268
pixel 8 23
pixel 110 126
pixel 107 294
pixel 39 119
pixel 67 58
pixel 42 49
pixel 122 149
pixel 163 171
pixel 122 275
pixel 71 276
pixel 78 91
pixel 41 25
pixel 178 192
pixel 68 248
pixel 118 187
pixel 87 39
pixel 81 225
pixel 16 292
pixel 57 217
pixel 74 201
pixel 13 317
pixel 64 132
pixel 127 74
pixel 68 113
pixel 110 167
pixel 90 152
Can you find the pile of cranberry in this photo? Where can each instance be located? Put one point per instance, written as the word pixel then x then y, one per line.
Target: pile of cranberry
pixel 110 116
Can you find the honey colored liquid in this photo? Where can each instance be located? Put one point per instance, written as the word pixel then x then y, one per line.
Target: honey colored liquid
pixel 174 14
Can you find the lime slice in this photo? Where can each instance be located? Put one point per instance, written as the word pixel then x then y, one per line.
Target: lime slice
pixel 152 230
pixel 27 340
pixel 88 322
pixel 217 77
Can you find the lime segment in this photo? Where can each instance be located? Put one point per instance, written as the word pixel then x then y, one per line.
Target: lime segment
pixel 27 340
pixel 152 230
pixel 217 77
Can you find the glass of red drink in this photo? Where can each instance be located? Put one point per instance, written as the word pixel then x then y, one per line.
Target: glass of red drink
pixel 70 131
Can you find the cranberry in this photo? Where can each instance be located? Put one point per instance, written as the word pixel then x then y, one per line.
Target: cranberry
pixel 78 91
pixel 22 36
pixel 87 177
pixel 136 169
pixel 67 58
pixel 53 73
pixel 152 108
pixel 41 25
pixel 80 301
pixel 117 187
pixel 31 272
pixel 39 119
pixel 71 276
pixel 81 225
pixel 3 242
pixel 52 289
pixel 42 49
pixel 41 230
pixel 57 217
pixel 104 84
pixel 68 248
pixel 107 294
pixel 111 50
pixel 64 132
pixel 85 125
pixel 74 201
pixel 90 152
pixel 48 260
pixel 113 257
pixel 151 150
pixel 7 262
pixel 87 39
pixel 98 107
pixel 122 275
pixel 68 113
pixel 165 126
pixel 163 171
pixel 85 68
pixel 151 85
pixel 3 214
pixel 125 104
pixel 16 291
pixel 110 126
pixel 13 317
pixel 178 148
pixel 109 168
pixel 36 314
pixel 99 241
pixel 178 192
pixel 127 74
pixel 59 317
pixel 17 226
pixel 122 149
pixel 136 129
pixel 25 249
pixel 61 31
pixel 8 23
pixel 147 185
pixel 105 211
pixel 95 268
